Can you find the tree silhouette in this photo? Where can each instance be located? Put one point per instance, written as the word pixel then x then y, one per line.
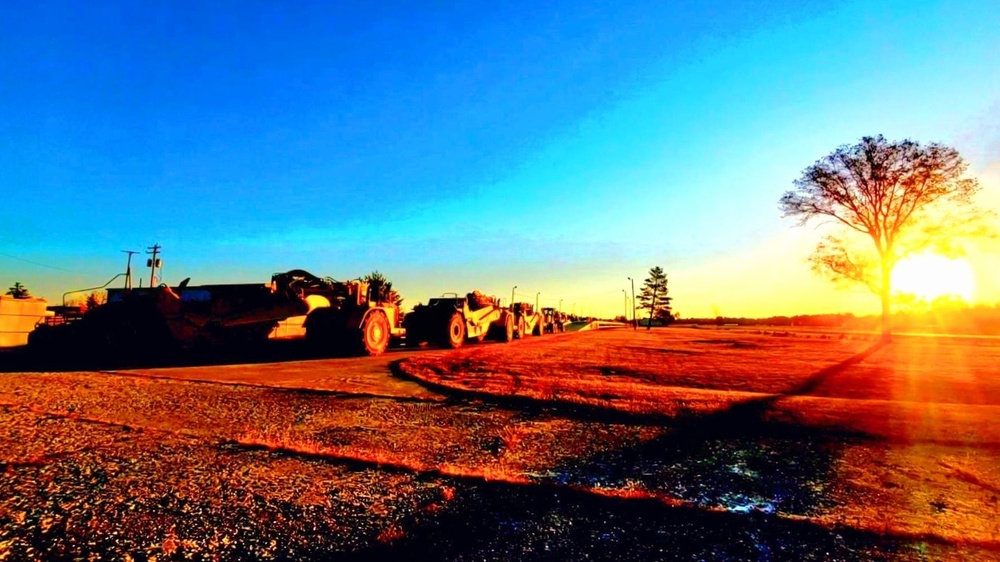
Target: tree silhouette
pixel 94 300
pixel 381 289
pixel 19 291
pixel 653 296
pixel 902 196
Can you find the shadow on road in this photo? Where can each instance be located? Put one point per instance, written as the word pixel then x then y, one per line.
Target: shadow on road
pixel 271 351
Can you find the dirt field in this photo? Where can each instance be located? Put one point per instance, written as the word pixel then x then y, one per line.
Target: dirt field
pixel 673 444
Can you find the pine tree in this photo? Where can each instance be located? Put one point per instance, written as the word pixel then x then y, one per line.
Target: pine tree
pixel 654 297
pixel 381 289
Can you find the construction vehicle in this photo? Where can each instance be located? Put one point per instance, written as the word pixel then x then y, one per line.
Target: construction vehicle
pixel 449 321
pixel 555 320
pixel 526 320
pixel 151 321
pixel 148 322
pixel 343 315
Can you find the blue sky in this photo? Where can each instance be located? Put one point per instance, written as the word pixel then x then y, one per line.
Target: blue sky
pixel 557 148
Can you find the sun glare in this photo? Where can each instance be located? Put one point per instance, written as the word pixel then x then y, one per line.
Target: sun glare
pixel 929 276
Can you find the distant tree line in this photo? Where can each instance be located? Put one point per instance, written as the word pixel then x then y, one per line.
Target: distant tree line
pixel 812 320
pixel 944 315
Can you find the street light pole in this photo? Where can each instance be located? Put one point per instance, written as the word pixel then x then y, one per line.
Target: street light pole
pixel 633 304
pixel 625 295
pixel 536 300
pixel 512 295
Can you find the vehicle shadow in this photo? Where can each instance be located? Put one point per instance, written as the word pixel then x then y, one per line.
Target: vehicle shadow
pixel 271 351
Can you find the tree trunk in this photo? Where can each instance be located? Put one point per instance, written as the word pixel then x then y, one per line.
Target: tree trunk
pixel 886 294
pixel 652 308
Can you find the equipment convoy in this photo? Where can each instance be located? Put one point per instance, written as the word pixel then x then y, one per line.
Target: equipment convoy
pixel 339 315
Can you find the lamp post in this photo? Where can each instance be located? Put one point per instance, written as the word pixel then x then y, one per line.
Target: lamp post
pixel 633 303
pixel 625 295
pixel 536 300
pixel 512 295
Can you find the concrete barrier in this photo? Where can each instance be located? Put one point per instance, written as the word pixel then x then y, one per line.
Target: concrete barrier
pixel 596 325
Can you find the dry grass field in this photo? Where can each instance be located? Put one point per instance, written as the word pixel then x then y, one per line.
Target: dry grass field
pixel 681 444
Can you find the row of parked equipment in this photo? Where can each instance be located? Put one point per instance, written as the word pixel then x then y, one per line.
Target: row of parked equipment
pixel 339 315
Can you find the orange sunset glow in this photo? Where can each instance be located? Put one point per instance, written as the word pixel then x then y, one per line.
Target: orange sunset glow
pixel 929 276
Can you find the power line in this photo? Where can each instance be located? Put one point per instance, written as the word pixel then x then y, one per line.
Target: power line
pixel 41 264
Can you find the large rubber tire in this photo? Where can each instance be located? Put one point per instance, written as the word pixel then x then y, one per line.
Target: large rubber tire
pixel 539 328
pixel 506 333
pixel 413 324
pixel 454 334
pixel 375 333
pixel 320 331
pixel 520 329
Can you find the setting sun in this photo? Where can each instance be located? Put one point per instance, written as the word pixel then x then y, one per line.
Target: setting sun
pixel 930 276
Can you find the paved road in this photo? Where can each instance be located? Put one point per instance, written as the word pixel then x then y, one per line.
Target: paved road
pixel 349 375
pixel 284 364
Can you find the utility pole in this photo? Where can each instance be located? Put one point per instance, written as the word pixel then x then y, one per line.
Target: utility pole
pixel 634 326
pixel 128 269
pixel 153 263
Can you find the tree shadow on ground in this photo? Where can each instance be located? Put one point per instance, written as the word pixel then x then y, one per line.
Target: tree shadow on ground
pixel 734 458
pixel 737 469
pixel 730 420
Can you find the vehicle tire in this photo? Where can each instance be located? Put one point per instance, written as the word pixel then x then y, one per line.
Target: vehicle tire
pixel 508 330
pixel 375 333
pixel 519 333
pixel 319 332
pixel 539 328
pixel 413 328
pixel 454 335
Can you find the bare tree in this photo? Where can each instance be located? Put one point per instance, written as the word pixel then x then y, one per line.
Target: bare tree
pixel 94 300
pixel 903 196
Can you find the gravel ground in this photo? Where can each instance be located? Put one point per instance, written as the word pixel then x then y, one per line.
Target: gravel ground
pixel 105 466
